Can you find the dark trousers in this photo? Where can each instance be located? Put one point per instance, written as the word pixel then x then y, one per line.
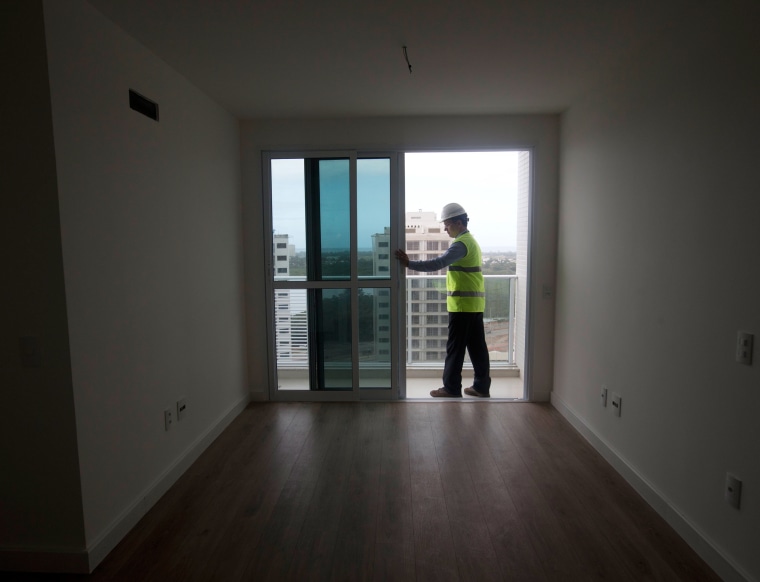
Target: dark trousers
pixel 466 333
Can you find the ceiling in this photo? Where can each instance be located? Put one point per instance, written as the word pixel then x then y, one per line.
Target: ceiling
pixel 338 58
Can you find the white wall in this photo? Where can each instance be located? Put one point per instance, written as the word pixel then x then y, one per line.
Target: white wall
pixel 40 503
pixel 658 270
pixel 407 134
pixel 152 252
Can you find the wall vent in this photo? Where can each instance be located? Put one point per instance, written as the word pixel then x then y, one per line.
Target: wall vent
pixel 143 105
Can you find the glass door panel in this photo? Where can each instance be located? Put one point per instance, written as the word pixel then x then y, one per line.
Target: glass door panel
pixel 331 218
pixel 333 281
pixel 375 338
pixel 288 203
pixel 334 345
pixel 291 339
pixel 373 209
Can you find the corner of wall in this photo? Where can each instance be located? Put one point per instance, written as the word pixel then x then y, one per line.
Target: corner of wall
pixel 707 549
pixel 40 502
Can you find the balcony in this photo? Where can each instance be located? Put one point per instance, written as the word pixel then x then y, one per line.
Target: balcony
pixel 504 384
pixel 426 334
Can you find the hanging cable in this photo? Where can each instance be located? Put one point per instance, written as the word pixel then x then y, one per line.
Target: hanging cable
pixel 406 56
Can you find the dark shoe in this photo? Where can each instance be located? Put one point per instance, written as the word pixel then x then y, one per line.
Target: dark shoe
pixel 470 391
pixel 441 393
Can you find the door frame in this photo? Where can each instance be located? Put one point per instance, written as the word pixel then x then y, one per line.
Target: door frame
pixel 395 281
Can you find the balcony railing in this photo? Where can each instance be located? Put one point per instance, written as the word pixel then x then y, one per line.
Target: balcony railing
pixel 427 319
pixel 426 322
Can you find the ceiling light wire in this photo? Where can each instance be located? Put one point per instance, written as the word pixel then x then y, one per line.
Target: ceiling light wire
pixel 406 56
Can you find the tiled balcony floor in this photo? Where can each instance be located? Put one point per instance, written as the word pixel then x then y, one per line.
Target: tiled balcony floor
pixel 510 388
pixel 505 384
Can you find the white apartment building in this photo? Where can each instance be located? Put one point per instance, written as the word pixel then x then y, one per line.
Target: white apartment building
pixel 283 250
pixel 290 332
pixel 425 239
pixel 427 319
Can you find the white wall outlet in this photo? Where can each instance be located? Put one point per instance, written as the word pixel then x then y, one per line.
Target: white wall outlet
pixel 181 409
pixel 603 396
pixel 617 403
pixel 744 344
pixel 168 419
pixel 733 491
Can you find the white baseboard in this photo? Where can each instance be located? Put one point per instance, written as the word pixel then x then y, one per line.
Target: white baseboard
pixel 699 542
pixel 259 396
pixel 119 528
pixel 84 561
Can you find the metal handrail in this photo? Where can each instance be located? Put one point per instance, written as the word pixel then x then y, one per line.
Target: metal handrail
pixel 437 282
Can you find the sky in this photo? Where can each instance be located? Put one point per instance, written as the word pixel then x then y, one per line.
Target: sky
pixel 485 183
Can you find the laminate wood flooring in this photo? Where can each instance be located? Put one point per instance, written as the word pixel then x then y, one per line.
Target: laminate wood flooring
pixel 399 491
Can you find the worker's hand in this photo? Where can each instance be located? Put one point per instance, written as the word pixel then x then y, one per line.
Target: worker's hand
pixel 402 257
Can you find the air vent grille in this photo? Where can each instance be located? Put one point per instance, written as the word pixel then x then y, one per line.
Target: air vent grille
pixel 143 105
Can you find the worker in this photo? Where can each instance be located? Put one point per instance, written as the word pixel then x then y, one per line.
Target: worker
pixel 465 302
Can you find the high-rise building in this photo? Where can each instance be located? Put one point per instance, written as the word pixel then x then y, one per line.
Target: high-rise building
pixel 289 308
pixel 426 292
pixel 426 314
pixel 425 239
pixel 283 250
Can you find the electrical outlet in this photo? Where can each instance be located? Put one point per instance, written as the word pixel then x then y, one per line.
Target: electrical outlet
pixel 181 409
pixel 733 491
pixel 744 343
pixel 30 352
pixel 168 419
pixel 617 403
pixel 603 396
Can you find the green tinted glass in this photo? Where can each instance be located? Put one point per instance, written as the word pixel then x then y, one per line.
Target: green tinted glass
pixel 373 217
pixel 334 201
pixel 374 338
pixel 334 332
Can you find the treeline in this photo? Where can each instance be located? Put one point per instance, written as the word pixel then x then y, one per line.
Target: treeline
pixel 337 265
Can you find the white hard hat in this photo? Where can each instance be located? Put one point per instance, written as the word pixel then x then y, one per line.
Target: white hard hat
pixel 452 210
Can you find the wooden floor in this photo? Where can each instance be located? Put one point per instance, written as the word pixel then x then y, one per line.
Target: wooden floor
pixel 400 491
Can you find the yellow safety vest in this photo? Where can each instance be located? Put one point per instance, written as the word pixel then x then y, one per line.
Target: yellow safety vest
pixel 465 287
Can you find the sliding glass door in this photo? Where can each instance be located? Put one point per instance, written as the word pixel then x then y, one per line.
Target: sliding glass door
pixel 333 280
